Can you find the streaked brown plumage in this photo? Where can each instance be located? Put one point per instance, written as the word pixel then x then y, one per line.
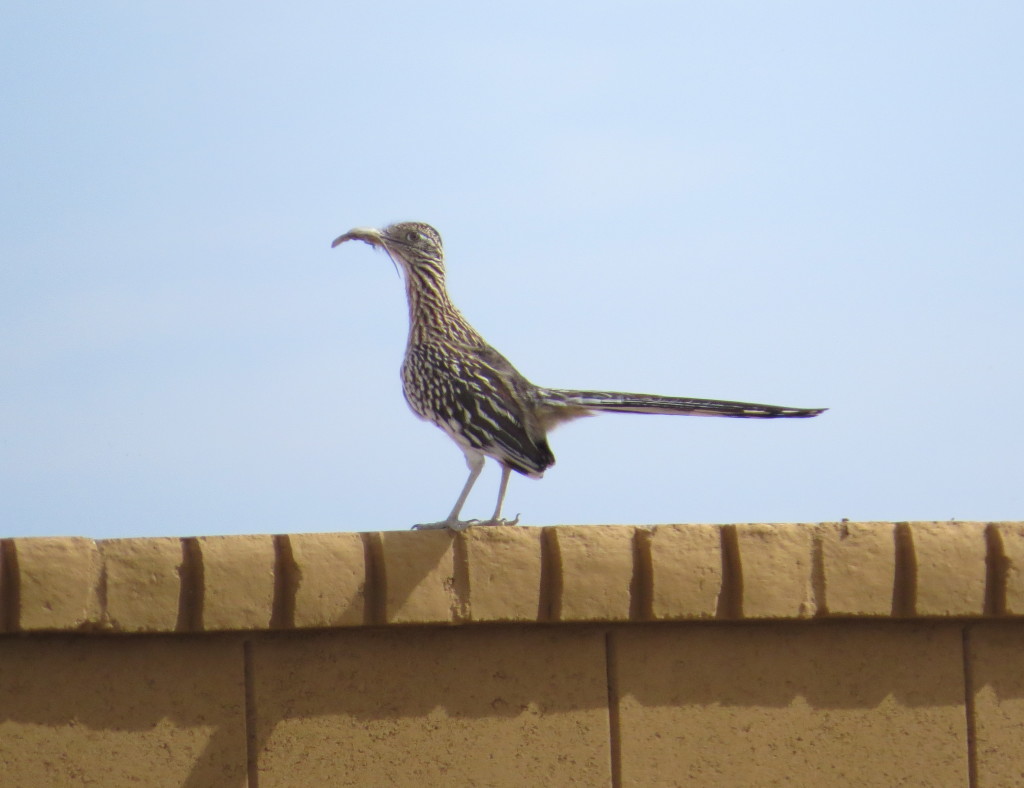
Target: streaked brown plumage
pixel 454 379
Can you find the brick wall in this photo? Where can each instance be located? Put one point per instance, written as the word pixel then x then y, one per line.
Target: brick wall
pixel 866 654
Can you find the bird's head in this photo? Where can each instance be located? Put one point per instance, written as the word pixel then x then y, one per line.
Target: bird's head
pixel 409 244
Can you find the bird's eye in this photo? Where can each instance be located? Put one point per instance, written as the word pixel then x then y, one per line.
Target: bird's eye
pixel 412 236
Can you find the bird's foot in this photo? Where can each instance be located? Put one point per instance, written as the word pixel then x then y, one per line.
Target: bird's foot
pixel 500 521
pixel 462 525
pixel 451 525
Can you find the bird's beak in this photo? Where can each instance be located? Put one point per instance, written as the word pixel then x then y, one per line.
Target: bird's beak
pixel 365 234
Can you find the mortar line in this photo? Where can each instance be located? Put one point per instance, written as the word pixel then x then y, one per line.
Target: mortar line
pixel 550 608
pixel 9 587
pixel 460 580
pixel 375 588
pixel 972 744
pixel 192 587
pixel 641 586
pixel 614 723
pixel 995 572
pixel 286 583
pixel 904 586
pixel 251 760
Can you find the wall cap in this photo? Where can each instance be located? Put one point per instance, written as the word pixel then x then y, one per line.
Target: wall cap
pixel 607 573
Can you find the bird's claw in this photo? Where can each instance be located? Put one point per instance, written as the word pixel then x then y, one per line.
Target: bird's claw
pixel 462 525
pixel 501 521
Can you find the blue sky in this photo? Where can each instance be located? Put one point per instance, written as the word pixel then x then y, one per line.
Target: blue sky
pixel 796 203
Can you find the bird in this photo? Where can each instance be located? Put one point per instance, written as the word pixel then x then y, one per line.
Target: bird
pixel 454 379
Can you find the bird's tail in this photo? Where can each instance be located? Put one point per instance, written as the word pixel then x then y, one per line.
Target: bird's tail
pixel 621 402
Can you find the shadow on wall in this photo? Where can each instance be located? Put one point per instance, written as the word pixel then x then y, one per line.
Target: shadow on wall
pixel 453 687
pixel 183 696
pixel 854 665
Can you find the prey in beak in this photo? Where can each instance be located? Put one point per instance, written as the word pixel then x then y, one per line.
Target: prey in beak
pixel 365 234
pixel 371 236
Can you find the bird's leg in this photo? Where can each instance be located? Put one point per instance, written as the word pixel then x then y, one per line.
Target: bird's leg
pixel 496 517
pixel 476 464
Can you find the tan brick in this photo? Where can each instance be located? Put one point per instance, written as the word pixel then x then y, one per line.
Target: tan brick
pixel 834 704
pixel 775 563
pixel 116 711
pixel 595 566
pixel 419 577
pixel 951 568
pixel 143 583
pixel 420 707
pixel 1011 537
pixel 859 563
pixel 686 571
pixel 994 659
pixel 59 581
pixel 331 579
pixel 504 565
pixel 238 581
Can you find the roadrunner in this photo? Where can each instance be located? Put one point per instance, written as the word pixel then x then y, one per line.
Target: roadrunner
pixel 452 378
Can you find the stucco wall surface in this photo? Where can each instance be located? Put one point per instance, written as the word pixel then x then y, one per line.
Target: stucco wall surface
pixel 862 654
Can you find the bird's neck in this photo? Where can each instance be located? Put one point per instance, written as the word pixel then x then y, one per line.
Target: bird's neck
pixel 432 315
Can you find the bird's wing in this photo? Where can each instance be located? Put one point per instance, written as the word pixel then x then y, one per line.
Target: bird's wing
pixel 482 405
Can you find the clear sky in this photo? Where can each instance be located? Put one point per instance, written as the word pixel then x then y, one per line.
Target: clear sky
pixel 797 203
